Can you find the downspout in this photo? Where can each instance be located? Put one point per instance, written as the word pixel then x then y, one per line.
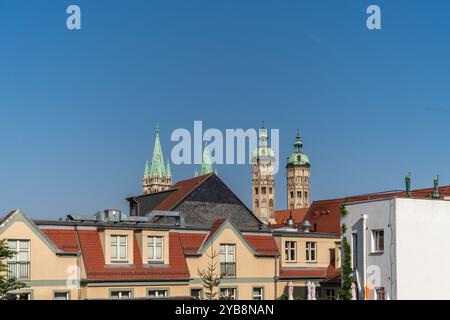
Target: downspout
pixel 364 247
pixel 275 281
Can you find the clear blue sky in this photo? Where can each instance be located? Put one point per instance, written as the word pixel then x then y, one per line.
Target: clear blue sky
pixel 78 108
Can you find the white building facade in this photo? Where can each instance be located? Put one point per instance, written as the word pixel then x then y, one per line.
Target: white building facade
pixel 400 248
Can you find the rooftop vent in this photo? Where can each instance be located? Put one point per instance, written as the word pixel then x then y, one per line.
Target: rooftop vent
pixel 306 226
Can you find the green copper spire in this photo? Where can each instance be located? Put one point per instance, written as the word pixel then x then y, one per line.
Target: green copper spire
pixel 206 166
pixel 168 171
pixel 147 169
pixel 435 194
pixel 297 157
pixel 157 164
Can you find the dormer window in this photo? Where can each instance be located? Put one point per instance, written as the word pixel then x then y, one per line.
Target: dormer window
pixel 155 247
pixel 119 248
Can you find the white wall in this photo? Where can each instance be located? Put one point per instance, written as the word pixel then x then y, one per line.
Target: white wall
pixel 423 249
pixel 380 215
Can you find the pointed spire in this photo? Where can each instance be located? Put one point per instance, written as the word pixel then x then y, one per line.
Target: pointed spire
pixel 206 166
pixel 206 163
pixel 147 169
pixel 157 164
pixel 168 171
pixel 298 142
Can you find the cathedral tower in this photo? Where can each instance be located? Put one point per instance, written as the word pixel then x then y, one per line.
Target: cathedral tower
pixel 157 177
pixel 206 166
pixel 263 180
pixel 297 177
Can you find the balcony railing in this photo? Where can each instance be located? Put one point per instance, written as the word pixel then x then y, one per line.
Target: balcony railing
pixel 228 269
pixel 18 270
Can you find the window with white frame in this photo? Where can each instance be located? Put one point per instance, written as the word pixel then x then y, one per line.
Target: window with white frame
pixel 158 293
pixel 19 263
pixel 258 293
pixel 377 240
pixel 228 260
pixel 155 246
pixel 119 248
pixel 290 251
pixel 228 293
pixel 121 294
pixel 61 295
pixel 311 251
pixel 330 294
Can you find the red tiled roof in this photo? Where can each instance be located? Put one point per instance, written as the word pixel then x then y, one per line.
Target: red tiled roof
pixel 94 261
pixel 65 240
pixel 324 215
pixel 281 216
pixel 263 245
pixel 182 190
pixel 191 242
pixel 216 225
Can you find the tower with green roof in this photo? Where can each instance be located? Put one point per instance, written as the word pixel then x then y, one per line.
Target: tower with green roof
pixel 297 177
pixel 206 166
pixel 157 176
pixel 263 179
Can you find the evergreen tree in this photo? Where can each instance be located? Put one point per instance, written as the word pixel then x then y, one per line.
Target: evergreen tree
pixel 211 280
pixel 347 272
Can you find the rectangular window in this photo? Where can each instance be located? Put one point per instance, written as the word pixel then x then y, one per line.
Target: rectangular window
pixel 256 190
pixel 19 263
pixel 228 260
pixel 330 294
pixel 121 294
pixel 228 293
pixel 258 293
pixel 18 296
pixel 119 248
pixel 299 194
pixel 159 293
pixel 380 294
pixel 270 190
pixel 292 194
pixel 263 190
pixel 61 295
pixel 355 250
pixel 197 294
pixel 377 240
pixel 155 246
pixel 311 251
pixel 290 251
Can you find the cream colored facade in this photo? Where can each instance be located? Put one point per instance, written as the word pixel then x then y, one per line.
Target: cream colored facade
pixel 53 271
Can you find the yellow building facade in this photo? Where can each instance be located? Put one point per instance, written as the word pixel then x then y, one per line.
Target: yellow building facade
pixel 130 260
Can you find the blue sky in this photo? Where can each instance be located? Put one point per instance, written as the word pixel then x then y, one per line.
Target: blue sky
pixel 78 108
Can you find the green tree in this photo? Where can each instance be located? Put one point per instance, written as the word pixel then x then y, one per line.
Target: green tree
pixel 347 271
pixel 211 280
pixel 7 284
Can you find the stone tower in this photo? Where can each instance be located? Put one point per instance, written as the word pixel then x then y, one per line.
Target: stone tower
pixel 157 177
pixel 297 177
pixel 263 180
